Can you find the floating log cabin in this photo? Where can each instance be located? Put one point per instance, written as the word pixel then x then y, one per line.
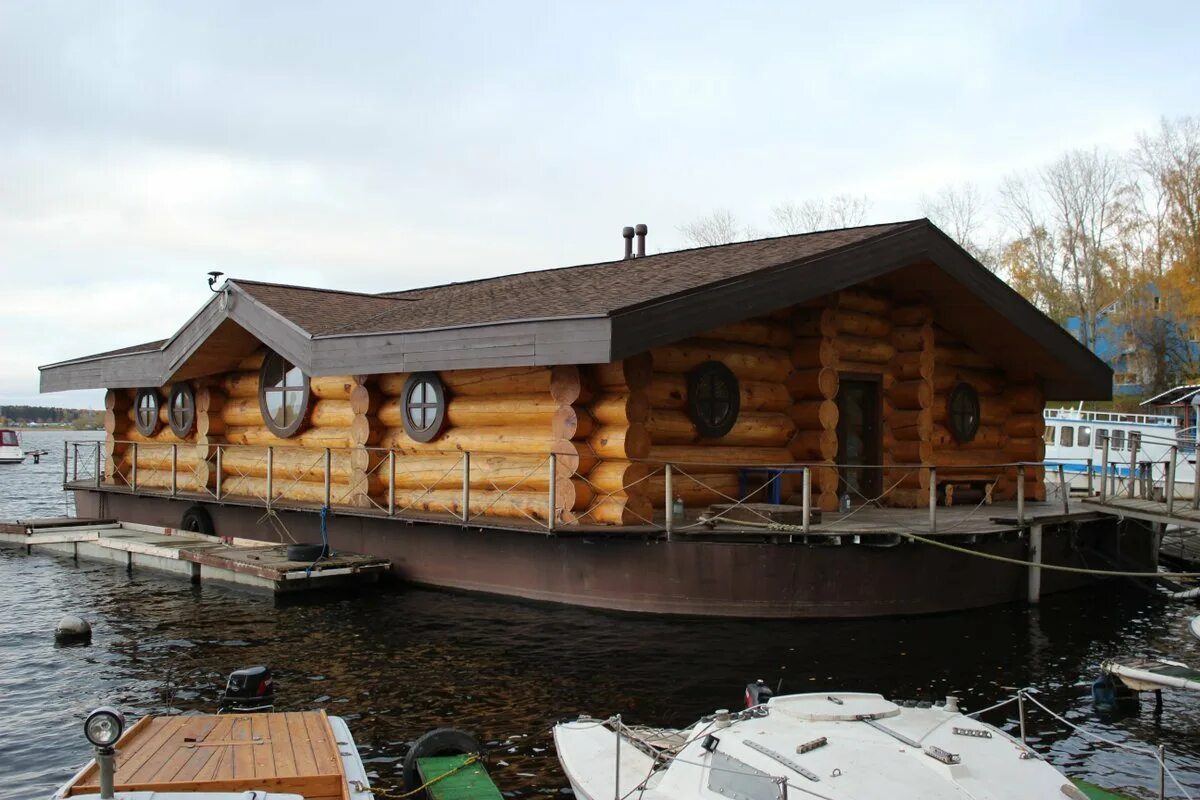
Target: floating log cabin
pixel 530 434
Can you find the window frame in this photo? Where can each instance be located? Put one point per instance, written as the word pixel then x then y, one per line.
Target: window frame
pixel 285 367
pixel 151 428
pixel 962 435
pixel 183 428
pixel 1083 436
pixel 707 426
pixel 1066 436
pixel 434 429
pixel 1051 434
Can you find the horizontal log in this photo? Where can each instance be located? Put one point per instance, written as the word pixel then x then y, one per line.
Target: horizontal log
pixel 907 498
pixel 946 377
pixel 331 414
pixel 763 332
pixel 669 391
pixel 209 425
pixel 528 439
pixel 747 362
pixel 488 470
pixel 1025 399
pixel 826 480
pixel 960 356
pixel 254 361
pixel 911 394
pixel 820 323
pixel 621 441
pixel 1021 425
pixel 185 481
pixel 813 384
pixel 751 428
pixel 814 445
pixel 296 491
pixel 809 352
pixel 118 400
pixel 857 348
pixel 699 489
pixel 952 457
pixel 164 435
pixel 473 411
pixel 993 409
pixel 857 323
pixel 210 400
pixel 986 437
pixel 509 505
pixel 909 425
pixel 294 463
pixel 318 438
pixel 609 477
pixel 618 511
pixel 1025 449
pixel 809 415
pixel 621 408
pixel 867 302
pixel 916 338
pixel 562 382
pixel 334 387
pixel 912 315
pixel 718 456
pixel 242 412
pixel 909 452
pixel 157 457
pixel 634 372
pixel 240 384
pixel 913 366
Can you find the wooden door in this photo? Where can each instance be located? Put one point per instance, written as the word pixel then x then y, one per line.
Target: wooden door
pixel 860 439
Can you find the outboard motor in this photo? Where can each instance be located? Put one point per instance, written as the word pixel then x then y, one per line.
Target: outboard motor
pixel 249 689
pixel 758 693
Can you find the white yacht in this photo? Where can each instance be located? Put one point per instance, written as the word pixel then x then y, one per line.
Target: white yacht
pixel 10 447
pixel 837 746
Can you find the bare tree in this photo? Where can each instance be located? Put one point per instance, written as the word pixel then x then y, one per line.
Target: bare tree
pixel 959 211
pixel 719 227
pixel 839 211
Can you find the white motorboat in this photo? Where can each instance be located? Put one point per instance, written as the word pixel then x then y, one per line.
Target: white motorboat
pixel 10 447
pixel 837 746
pixel 1153 674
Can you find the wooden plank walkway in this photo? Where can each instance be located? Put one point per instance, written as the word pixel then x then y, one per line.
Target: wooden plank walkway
pixel 1149 510
pixel 277 752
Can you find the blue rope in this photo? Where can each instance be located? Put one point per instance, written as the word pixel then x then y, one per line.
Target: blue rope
pixel 324 541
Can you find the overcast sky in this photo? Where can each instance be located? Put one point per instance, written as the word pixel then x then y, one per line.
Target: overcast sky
pixel 379 146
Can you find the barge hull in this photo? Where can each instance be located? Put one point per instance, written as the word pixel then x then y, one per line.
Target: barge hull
pixel 647 574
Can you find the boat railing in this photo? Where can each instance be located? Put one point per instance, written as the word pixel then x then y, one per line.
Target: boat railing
pixel 551 490
pixel 1078 415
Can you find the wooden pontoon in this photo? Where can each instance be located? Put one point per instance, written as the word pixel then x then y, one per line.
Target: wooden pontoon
pixel 879 363
pixel 294 753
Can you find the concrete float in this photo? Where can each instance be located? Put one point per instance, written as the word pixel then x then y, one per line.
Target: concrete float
pixel 242 562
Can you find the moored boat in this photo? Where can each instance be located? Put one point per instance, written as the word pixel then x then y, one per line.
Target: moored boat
pixel 10 447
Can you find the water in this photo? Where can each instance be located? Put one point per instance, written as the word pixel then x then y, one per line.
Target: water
pixel 399 661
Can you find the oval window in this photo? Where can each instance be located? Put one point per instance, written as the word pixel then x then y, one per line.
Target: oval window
pixel 181 410
pixel 964 412
pixel 145 412
pixel 282 395
pixel 713 399
pixel 423 406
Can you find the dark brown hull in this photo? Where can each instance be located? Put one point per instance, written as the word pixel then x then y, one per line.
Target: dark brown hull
pixel 691 577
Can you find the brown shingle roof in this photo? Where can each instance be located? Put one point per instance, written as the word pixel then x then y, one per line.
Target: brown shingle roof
pixel 585 290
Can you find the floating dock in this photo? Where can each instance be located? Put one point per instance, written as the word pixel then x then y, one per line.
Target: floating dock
pixel 243 562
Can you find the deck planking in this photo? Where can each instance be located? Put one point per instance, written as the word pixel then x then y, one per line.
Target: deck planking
pixel 277 752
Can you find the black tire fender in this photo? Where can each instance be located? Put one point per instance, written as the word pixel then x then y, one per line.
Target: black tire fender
pixel 437 742
pixel 306 552
pixel 197 520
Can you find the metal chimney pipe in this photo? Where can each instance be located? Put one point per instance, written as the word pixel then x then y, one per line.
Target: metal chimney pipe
pixel 628 234
pixel 641 231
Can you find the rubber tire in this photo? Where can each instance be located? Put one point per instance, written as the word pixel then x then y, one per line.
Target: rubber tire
pixel 306 552
pixel 437 742
pixel 197 520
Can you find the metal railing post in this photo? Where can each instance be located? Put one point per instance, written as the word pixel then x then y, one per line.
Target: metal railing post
pixel 97 465
pixel 933 499
pixel 328 476
pixel 1021 496
pixel 1171 481
pixel 1196 482
pixel 1104 468
pixel 218 484
pixel 391 483
pixel 67 461
pixel 806 494
pixel 133 471
pixel 1062 488
pixel 1021 712
pixel 270 474
pixel 553 498
pixel 1090 488
pixel 1162 772
pixel 669 507
pixel 466 492
pixel 1135 445
pixel 617 777
pixel 174 469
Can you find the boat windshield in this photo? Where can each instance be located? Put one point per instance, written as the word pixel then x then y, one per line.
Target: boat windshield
pixel 9 439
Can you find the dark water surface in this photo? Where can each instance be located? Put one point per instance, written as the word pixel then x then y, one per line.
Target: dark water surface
pixel 396 662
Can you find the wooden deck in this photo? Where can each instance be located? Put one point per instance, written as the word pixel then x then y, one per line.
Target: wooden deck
pixel 278 752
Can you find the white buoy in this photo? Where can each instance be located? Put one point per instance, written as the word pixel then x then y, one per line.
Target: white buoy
pixel 72 628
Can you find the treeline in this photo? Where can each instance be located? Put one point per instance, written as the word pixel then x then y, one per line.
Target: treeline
pixel 76 418
pixel 1096 235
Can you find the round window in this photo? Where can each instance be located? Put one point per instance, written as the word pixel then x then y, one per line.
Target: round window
pixel 282 395
pixel 713 399
pixel 145 412
pixel 181 409
pixel 964 412
pixel 424 406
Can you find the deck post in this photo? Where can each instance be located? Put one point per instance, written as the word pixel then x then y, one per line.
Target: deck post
pixel 1196 482
pixel 218 485
pixel 1021 713
pixel 466 489
pixel 391 483
pixel 98 476
pixel 1062 489
pixel 617 777
pixel 1020 495
pixel 806 494
pixel 669 507
pixel 1035 557
pixel 1135 446
pixel 67 461
pixel 1162 768
pixel 1090 489
pixel 328 477
pixel 553 498
pixel 933 499
pixel 1171 481
pixel 133 470
pixel 270 474
pixel 174 469
pixel 1104 467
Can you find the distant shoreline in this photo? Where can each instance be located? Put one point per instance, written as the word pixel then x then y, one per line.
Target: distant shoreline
pixel 28 429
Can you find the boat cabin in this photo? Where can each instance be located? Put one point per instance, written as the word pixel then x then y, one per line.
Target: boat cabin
pixel 874 364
